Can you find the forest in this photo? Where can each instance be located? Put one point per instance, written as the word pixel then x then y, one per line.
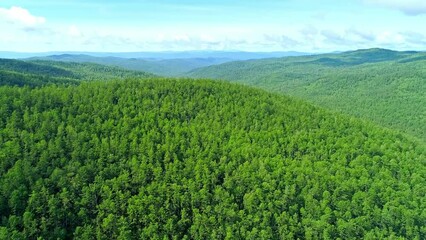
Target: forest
pixel 212 119
pixel 383 86
pixel 41 72
pixel 143 157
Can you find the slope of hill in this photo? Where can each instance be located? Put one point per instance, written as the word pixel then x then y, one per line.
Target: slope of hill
pixel 39 73
pixel 93 71
pixel 381 85
pixel 11 78
pixel 32 68
pixel 185 159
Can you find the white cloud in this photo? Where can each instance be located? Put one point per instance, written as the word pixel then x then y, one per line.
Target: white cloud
pixel 409 7
pixel 74 31
pixel 285 41
pixel 18 15
pixel 361 35
pixel 181 38
pixel 387 37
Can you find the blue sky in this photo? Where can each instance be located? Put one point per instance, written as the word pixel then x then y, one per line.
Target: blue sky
pixel 247 25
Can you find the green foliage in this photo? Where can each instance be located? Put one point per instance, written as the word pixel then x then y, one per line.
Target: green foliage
pixel 31 68
pixel 185 159
pixel 93 71
pixel 40 73
pixel 384 86
pixel 9 78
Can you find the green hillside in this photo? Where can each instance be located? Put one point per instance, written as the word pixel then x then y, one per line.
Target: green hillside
pixel 384 86
pixel 93 71
pixel 10 78
pixel 39 73
pixel 186 159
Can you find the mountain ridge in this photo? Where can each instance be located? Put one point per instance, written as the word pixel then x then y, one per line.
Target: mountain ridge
pixel 160 54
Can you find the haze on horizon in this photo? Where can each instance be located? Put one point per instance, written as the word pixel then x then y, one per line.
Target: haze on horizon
pixel 243 25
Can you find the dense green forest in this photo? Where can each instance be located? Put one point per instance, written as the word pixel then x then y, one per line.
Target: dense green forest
pixel 188 159
pixel 40 73
pixel 384 86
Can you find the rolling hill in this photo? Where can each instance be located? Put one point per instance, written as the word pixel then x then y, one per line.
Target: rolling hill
pixel 164 67
pixel 188 159
pixel 380 85
pixel 39 73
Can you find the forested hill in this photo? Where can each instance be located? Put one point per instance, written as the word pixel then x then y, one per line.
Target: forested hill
pixel 186 159
pixel 39 73
pixel 33 68
pixel 381 85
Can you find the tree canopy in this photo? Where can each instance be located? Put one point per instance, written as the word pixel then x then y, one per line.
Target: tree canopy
pixel 40 73
pixel 187 159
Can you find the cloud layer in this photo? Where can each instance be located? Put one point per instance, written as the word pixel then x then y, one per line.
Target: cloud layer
pixel 27 32
pixel 409 7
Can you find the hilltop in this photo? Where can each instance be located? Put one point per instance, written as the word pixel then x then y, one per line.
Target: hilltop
pixel 190 159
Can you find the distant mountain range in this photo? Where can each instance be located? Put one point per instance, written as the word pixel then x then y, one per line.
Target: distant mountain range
pixel 234 55
pixel 160 63
pixel 164 67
